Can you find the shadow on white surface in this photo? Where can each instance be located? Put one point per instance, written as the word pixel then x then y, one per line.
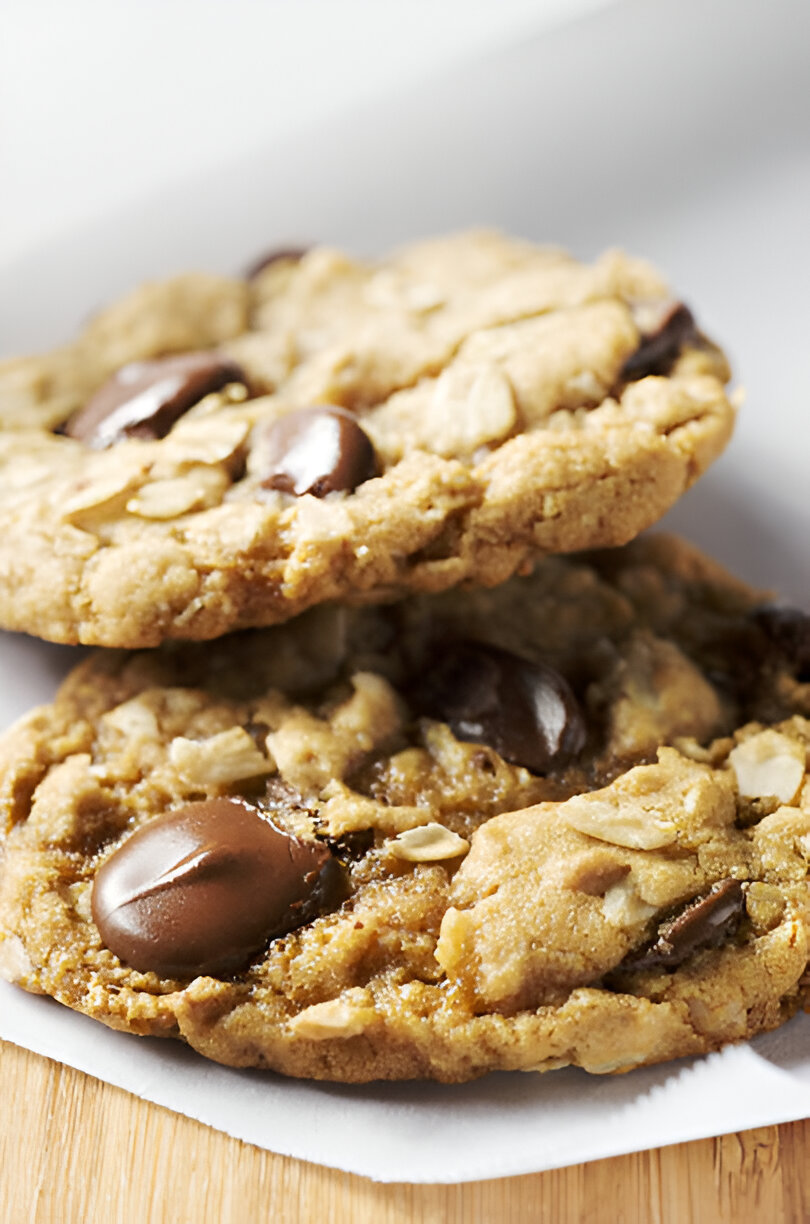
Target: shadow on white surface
pixel 30 671
pixel 788 1049
pixel 735 519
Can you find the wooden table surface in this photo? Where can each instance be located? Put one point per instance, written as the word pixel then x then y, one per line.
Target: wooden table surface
pixel 76 1151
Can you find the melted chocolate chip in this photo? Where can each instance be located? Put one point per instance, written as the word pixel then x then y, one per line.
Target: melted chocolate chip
pixel 315 450
pixel 145 398
pixel 525 711
pixel 704 922
pixel 279 255
pixel 203 888
pixel 663 336
pixel 788 630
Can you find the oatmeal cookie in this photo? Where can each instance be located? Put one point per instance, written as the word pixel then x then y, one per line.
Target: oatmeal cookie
pixel 214 454
pixel 565 821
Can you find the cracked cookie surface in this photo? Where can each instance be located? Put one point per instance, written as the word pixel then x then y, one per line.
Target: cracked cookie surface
pixel 637 893
pixel 504 401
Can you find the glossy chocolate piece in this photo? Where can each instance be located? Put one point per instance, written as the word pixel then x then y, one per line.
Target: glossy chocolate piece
pixel 291 254
pixel 524 710
pixel 203 888
pixel 315 450
pixel 705 922
pixel 664 334
pixel 145 398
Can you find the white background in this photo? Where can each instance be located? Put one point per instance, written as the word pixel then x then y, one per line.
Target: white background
pixel 104 100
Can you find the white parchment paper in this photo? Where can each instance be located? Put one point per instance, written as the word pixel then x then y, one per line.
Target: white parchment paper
pixel 680 130
pixel 498 1126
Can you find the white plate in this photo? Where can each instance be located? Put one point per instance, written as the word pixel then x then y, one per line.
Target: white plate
pixel 679 130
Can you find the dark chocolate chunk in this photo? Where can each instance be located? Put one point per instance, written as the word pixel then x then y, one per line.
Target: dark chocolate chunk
pixel 315 450
pixel 788 629
pixel 203 888
pixel 145 398
pixel 705 922
pixel 279 255
pixel 664 333
pixel 524 710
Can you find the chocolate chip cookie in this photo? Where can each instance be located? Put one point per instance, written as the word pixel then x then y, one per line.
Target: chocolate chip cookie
pixel 565 821
pixel 214 453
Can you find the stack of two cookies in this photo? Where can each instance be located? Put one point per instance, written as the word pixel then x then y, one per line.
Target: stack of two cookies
pixel 476 799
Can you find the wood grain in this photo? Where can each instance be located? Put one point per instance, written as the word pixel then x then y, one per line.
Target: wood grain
pixel 76 1151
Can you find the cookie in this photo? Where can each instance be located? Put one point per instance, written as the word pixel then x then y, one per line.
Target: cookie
pixel 565 821
pixel 215 454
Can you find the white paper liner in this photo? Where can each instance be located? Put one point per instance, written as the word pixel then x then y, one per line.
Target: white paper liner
pixel 498 1126
pixel 677 130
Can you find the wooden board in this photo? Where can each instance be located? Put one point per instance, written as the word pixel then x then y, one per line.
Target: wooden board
pixel 76 1151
